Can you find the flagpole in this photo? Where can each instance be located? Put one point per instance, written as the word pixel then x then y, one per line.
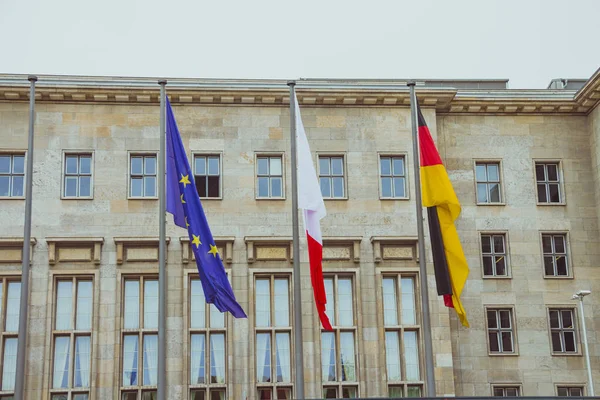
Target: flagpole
pixel 162 250
pixel 296 252
pixel 429 367
pixel 22 340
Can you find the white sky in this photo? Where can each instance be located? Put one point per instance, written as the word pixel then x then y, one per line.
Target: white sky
pixel 526 41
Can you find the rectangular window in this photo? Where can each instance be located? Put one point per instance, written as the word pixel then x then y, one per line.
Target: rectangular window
pixel 77 176
pixel 142 176
pixel 269 177
pixel 506 391
pixel 331 177
pixel 139 338
pixel 401 335
pixel 207 175
pixel 569 391
pixel 487 175
pixel 393 177
pixel 500 331
pixel 72 338
pixel 562 330
pixel 494 255
pixel 547 176
pixel 207 356
pixel 273 337
pixel 338 348
pixel 12 175
pixel 10 298
pixel 556 262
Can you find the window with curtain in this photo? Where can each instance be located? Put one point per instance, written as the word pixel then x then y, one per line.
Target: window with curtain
pixel 207 348
pixel 10 295
pixel 402 329
pixel 71 338
pixel 273 330
pixel 139 343
pixel 338 348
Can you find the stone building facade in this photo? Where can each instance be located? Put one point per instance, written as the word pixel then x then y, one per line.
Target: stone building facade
pixel 524 163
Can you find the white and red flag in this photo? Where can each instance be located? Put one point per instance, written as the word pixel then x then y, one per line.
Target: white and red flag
pixel 311 202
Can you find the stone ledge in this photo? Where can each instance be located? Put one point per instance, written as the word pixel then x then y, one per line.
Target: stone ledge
pixel 224 245
pixel 394 248
pixel 11 250
pixel 74 249
pixel 138 249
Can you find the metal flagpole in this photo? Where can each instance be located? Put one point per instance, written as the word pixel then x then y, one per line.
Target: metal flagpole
pixel 162 250
pixel 429 368
pixel 587 349
pixel 23 305
pixel 296 249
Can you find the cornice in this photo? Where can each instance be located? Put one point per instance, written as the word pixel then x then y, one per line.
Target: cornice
pixel 311 93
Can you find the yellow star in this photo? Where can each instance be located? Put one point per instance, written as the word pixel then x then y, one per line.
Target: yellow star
pixel 185 180
pixel 186 223
pixel 213 250
pixel 196 240
pixel 182 200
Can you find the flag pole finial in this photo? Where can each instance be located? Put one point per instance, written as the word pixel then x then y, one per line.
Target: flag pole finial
pixel 411 83
pixel 291 83
pixel 162 82
pixel 32 78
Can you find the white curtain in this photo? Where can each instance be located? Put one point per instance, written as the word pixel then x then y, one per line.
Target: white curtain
pixel 217 358
pixel 282 303
pixel 330 306
pixel 61 362
pixel 328 356
pixel 132 305
pixel 390 305
pixel 150 359
pixel 82 362
pixel 411 354
pixel 197 305
pixel 84 305
pixel 263 357
pixel 392 355
pixel 151 304
pixel 217 318
pixel 13 299
pixel 282 342
pixel 10 364
pixel 197 343
pixel 130 360
pixel 346 317
pixel 408 301
pixel 64 305
pixel 347 356
pixel 263 302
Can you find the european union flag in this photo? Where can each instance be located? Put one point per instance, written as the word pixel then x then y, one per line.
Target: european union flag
pixel 184 203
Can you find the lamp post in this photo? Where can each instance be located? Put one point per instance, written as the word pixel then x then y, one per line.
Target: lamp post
pixel 579 296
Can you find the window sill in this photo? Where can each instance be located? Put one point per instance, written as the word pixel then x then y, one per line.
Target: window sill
pixel 493 278
pixel 394 198
pixel 576 354
pixel 142 198
pixel 515 354
pixel 12 197
pixel 211 198
pixel 76 198
pixel 269 198
pixel 551 277
pixel 551 204
pixel 335 198
pixel 491 204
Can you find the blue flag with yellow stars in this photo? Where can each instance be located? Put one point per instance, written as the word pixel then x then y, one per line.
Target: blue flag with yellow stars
pixel 184 203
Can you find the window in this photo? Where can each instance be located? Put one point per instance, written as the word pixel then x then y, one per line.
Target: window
pixel 77 176
pixel 493 252
pixel 12 175
pixel 338 348
pixel 273 338
pixel 393 177
pixel 506 391
pixel 569 391
pixel 269 177
pixel 71 339
pixel 547 176
pixel 10 298
pixel 500 331
pixel 142 178
pixel 331 177
pixel 139 339
pixel 487 175
pixel 554 247
pixel 562 330
pixel 207 175
pixel 207 347
pixel 401 336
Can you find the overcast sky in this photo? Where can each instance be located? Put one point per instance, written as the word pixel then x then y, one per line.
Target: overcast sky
pixel 526 41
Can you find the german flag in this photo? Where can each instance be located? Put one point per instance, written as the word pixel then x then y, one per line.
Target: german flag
pixel 443 208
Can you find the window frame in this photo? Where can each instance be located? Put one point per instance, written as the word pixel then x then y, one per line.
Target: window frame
pixel 140 332
pixel 338 384
pixel 569 387
pixel 11 153
pixel 4 335
pixel 209 154
pixel 345 174
pixel 130 155
pixel 403 155
pixel 64 175
pixel 72 333
pixel 561 181
pixel 270 154
pixel 489 161
pixel 570 274
pixel 517 386
pixel 272 330
pixel 513 329
pixel 575 317
pixel 507 258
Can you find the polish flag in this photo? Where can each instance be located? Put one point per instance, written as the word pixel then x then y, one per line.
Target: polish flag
pixel 313 210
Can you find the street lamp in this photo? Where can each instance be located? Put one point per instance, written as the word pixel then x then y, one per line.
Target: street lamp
pixel 579 296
